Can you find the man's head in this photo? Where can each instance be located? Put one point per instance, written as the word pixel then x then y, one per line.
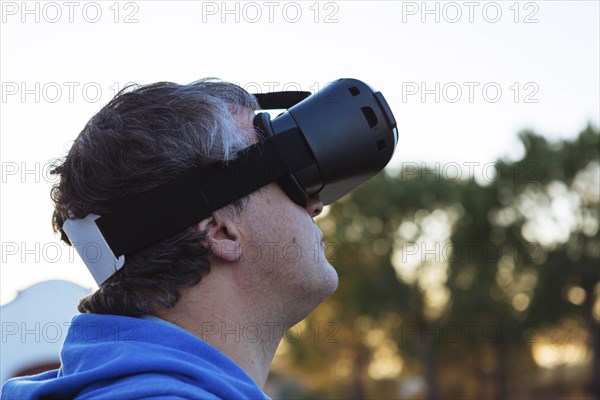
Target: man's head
pixel 148 136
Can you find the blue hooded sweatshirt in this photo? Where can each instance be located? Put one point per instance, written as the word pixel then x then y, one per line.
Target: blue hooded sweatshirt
pixel 115 357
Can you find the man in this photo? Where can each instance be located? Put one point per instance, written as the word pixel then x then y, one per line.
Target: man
pixel 171 322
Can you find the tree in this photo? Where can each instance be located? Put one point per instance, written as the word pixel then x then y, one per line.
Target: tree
pixel 441 278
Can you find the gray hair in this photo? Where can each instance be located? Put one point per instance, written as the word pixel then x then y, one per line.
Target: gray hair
pixel 147 136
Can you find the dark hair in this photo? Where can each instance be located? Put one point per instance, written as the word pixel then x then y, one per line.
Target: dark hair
pixel 147 136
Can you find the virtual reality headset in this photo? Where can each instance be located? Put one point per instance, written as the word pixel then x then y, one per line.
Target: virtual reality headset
pixel 325 144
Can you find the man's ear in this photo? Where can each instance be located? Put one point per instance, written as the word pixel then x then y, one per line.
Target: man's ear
pixel 223 237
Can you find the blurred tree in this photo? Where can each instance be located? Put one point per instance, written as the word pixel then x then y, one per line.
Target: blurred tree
pixel 446 283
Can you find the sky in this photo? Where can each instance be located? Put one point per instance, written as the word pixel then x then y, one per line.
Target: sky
pixel 462 78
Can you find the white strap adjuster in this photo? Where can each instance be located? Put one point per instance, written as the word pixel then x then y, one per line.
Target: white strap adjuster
pixel 91 246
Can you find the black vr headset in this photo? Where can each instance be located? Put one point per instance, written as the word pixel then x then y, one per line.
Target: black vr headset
pixel 326 144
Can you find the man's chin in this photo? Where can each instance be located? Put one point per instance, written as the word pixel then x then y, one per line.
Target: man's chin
pixel 319 291
pixel 330 281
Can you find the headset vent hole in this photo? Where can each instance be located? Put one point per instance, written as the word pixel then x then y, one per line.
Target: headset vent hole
pixel 370 116
pixel 354 90
pixel 381 144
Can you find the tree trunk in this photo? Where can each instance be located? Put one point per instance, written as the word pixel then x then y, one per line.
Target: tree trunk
pixel 356 388
pixel 425 353
pixel 593 386
pixel 501 370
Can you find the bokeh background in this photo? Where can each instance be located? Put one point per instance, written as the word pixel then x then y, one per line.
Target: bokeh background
pixel 469 268
pixel 454 289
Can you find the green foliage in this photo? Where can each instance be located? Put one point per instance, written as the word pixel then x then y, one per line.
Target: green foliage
pixel 499 264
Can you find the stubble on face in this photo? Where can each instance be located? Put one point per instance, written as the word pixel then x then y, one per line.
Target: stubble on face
pixel 283 254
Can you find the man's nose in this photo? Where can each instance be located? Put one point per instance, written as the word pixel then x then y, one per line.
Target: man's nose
pixel 314 206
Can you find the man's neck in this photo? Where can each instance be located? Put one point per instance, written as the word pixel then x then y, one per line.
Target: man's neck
pixel 233 326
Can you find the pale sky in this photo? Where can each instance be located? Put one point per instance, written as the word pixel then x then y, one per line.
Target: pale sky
pixel 461 86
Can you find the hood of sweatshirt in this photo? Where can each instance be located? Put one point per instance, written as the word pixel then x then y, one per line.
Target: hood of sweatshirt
pixel 109 356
